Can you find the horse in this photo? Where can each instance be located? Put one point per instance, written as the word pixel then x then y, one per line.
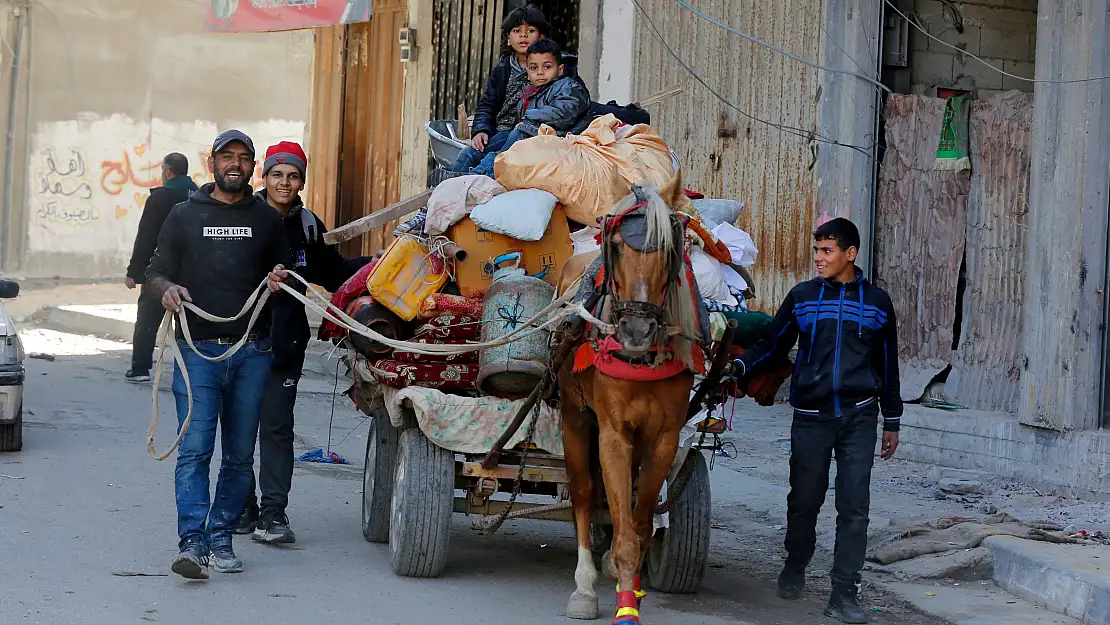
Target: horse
pixel 632 425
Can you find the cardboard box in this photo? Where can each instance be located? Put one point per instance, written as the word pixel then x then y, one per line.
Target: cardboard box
pixel 475 274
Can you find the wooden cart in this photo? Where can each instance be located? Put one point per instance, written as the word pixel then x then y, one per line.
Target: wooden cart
pixel 412 487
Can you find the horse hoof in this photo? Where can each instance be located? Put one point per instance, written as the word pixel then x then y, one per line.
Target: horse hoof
pixel 582 607
pixel 607 568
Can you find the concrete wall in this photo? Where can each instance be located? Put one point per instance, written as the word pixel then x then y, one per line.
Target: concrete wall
pixel 1075 464
pixel 617 37
pixel 114 86
pixel 847 112
pixel 1003 32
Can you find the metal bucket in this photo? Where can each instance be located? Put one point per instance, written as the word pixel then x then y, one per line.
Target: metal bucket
pixel 513 370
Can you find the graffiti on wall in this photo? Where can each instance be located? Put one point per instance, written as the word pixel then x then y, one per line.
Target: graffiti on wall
pixel 90 181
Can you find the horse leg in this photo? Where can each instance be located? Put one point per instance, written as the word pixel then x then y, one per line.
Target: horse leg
pixel 576 447
pixel 654 471
pixel 616 469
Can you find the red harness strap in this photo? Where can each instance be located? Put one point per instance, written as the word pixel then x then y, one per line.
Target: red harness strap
pixel 606 362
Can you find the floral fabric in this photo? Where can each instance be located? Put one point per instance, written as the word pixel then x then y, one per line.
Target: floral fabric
pixel 471 425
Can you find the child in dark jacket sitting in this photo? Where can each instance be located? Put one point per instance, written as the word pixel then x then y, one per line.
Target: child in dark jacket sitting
pixel 552 98
pixel 499 109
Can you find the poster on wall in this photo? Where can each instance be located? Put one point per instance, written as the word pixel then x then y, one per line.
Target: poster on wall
pixel 233 16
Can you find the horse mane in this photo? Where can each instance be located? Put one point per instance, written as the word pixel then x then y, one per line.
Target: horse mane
pixel 678 307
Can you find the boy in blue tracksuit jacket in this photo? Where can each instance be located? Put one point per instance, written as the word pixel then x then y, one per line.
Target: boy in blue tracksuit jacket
pixel 846 370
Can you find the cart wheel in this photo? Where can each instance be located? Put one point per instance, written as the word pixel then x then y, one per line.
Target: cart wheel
pixel 423 499
pixel 11 434
pixel 377 477
pixel 679 554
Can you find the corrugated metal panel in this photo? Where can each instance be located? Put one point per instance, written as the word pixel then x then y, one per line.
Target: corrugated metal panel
pixel 468 39
pixel 986 368
pixel 562 16
pixel 920 219
pixel 723 153
pixel 325 126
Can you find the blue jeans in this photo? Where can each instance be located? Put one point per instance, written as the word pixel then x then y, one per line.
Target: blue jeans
pixel 469 157
pixel 485 168
pixel 231 393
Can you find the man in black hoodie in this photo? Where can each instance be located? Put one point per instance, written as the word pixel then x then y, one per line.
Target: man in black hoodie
pixel 283 173
pixel 846 370
pixel 176 187
pixel 214 251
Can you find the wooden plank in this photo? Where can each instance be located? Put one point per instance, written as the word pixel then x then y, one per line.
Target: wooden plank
pixel 920 221
pixel 375 220
pixel 325 125
pixel 986 367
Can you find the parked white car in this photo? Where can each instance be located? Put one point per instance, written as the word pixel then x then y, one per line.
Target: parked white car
pixel 12 375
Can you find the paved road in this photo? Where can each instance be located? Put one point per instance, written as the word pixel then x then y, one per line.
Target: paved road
pixel 87 532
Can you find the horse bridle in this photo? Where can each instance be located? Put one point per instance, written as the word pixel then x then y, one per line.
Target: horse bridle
pixel 633 222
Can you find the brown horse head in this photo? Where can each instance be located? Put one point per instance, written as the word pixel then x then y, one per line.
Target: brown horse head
pixel 642 251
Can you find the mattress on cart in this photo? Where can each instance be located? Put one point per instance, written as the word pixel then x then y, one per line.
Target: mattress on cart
pixel 471 425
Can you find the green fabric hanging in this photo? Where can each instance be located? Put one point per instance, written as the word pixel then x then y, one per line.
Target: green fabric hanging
pixel 954 151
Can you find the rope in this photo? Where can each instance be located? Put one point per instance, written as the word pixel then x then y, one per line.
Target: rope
pixel 559 309
pixel 492 524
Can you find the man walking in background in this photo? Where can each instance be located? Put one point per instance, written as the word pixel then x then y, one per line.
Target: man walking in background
pixel 283 173
pixel 214 251
pixel 176 188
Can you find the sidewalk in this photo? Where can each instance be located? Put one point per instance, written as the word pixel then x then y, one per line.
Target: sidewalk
pixel 963 587
pixel 108 311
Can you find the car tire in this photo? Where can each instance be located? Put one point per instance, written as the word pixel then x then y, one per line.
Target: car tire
pixel 11 434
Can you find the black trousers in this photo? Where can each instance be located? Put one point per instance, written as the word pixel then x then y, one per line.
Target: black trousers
pixel 275 438
pixel 147 320
pixel 812 444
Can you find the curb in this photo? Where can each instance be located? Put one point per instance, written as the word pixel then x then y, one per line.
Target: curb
pixel 76 322
pixel 83 323
pixel 1067 579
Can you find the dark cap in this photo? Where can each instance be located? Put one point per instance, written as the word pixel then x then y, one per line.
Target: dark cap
pixel 231 136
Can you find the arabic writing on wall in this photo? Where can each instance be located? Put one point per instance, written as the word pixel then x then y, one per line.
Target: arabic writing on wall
pixel 87 181
pixel 64 191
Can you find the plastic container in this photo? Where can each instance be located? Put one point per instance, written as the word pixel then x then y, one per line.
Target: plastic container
pixel 405 275
pixel 511 371
pixel 446 145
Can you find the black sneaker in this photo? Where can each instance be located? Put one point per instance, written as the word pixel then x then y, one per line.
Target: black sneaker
pixel 248 521
pixel 224 560
pixel 137 377
pixel 273 529
pixel 791 583
pixel 192 562
pixel 845 608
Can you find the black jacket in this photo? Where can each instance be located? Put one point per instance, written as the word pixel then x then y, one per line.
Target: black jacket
pixel 848 350
pixel 220 253
pixel 485 117
pixel 155 211
pixel 562 104
pixel 315 261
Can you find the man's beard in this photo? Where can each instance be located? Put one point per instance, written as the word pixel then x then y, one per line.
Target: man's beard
pixel 230 186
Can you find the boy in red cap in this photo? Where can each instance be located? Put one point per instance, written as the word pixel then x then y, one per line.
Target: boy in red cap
pixel 283 174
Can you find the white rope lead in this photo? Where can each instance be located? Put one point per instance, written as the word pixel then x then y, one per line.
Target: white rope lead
pixel 559 309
